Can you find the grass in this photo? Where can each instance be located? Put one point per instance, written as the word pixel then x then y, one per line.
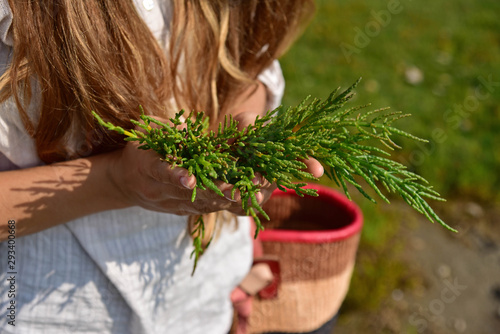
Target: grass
pixel 455 47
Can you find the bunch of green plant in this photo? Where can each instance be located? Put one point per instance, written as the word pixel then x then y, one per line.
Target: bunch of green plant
pixel 275 146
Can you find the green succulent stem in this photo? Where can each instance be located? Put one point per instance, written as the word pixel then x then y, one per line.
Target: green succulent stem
pixel 274 145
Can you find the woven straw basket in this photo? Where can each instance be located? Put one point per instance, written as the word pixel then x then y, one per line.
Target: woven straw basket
pixel 314 240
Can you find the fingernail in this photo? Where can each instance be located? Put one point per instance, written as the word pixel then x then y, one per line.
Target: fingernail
pixel 259 197
pixel 257 180
pixel 185 182
pixel 227 195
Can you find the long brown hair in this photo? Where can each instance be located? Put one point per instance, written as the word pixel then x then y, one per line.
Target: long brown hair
pixel 100 55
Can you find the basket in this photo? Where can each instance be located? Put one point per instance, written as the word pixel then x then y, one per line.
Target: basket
pixel 314 240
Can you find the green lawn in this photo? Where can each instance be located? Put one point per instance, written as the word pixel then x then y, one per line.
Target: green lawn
pixel 455 46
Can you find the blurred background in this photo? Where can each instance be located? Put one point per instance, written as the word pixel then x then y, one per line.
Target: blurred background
pixel 440 62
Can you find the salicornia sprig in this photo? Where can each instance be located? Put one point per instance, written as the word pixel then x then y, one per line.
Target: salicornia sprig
pixel 275 146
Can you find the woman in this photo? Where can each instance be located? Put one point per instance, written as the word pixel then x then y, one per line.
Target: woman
pixel 101 240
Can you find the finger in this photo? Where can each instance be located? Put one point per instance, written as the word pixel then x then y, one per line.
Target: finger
pixel 314 167
pixel 260 180
pixel 225 188
pixel 164 173
pixel 183 207
pixel 228 194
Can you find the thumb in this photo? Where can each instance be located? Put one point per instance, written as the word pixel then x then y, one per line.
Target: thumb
pixel 164 173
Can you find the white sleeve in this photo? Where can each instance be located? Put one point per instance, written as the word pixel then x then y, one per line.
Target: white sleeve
pixel 17 147
pixel 5 23
pixel 6 42
pixel 272 78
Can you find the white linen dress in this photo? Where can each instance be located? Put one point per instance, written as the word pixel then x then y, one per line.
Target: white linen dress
pixel 120 271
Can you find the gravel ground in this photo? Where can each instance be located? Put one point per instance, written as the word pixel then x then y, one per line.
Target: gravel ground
pixel 459 274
